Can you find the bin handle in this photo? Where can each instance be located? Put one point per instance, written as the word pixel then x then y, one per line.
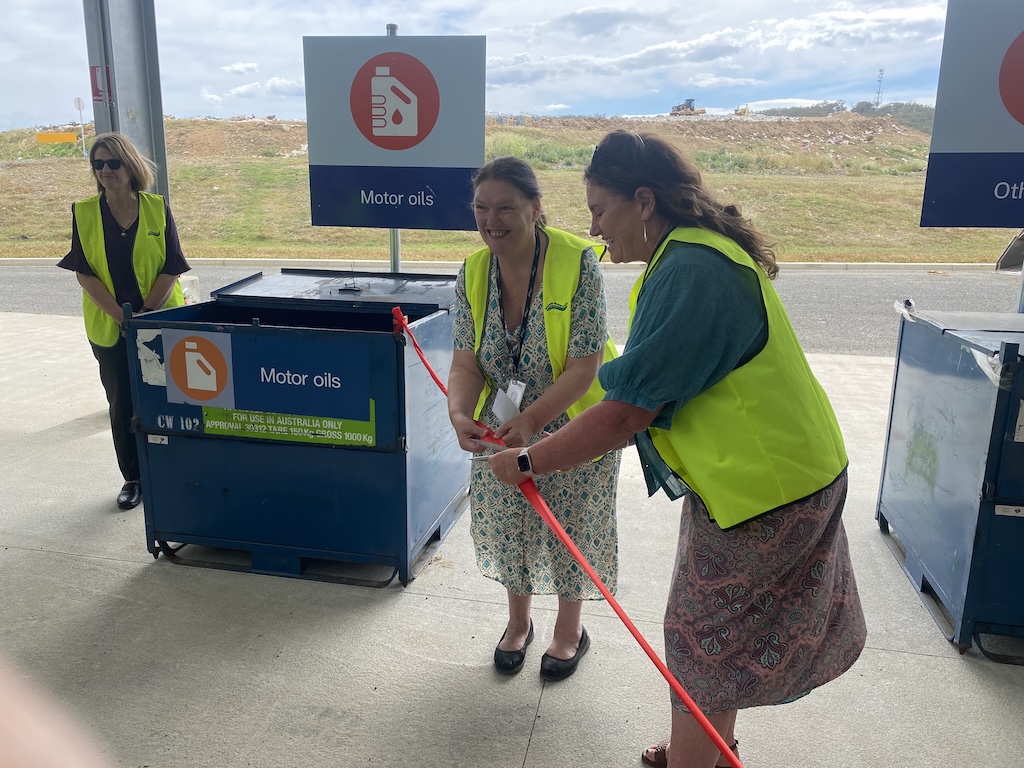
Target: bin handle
pixel 532 494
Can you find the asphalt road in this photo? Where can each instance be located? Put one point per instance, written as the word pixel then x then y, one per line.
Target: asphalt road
pixel 835 311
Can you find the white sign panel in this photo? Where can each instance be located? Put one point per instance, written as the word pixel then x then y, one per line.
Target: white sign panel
pixel 976 165
pixel 396 129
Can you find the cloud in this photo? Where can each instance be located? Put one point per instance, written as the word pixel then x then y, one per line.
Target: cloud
pixel 275 86
pixel 279 86
pixel 592 22
pixel 247 91
pixel 815 49
pixel 241 68
pixel 600 56
pixel 555 107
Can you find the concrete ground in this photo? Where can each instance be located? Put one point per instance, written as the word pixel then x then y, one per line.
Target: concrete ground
pixel 177 666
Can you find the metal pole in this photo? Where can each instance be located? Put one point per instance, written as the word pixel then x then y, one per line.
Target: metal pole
pixel 121 42
pixel 80 105
pixel 395 240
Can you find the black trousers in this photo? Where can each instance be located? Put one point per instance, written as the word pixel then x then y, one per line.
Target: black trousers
pixel 117 384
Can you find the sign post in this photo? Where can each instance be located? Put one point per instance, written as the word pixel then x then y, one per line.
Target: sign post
pixel 80 105
pixel 395 235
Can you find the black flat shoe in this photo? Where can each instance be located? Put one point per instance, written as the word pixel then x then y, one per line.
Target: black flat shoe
pixel 130 495
pixel 510 662
pixel 553 669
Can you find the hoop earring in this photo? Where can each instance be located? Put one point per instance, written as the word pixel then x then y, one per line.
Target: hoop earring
pixel 645 230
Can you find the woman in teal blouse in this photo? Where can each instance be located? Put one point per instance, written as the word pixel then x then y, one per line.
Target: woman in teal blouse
pixel 726 413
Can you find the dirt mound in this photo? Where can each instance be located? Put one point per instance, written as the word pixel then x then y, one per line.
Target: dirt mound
pixel 710 131
pixel 268 137
pixel 252 137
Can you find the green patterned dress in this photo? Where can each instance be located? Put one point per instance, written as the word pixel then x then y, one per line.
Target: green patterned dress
pixel 513 545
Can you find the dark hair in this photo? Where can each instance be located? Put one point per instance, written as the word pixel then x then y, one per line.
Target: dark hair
pixel 140 168
pixel 514 171
pixel 624 161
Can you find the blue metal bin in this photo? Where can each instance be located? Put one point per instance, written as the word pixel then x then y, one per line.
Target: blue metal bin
pixel 952 486
pixel 286 420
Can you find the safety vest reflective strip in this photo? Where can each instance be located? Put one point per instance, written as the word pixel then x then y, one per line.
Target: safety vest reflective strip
pixel 745 454
pixel 100 327
pixel 561 279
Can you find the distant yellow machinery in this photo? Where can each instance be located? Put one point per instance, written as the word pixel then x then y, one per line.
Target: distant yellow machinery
pixel 687 108
pixel 742 109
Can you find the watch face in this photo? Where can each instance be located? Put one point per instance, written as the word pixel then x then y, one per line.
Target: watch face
pixel 524 463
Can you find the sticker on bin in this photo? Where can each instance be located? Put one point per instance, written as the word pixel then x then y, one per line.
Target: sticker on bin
pixel 1007 511
pixel 199 368
pixel 292 428
pixel 267 387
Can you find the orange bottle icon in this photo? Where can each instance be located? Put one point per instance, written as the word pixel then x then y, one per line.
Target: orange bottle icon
pixel 199 373
pixel 393 107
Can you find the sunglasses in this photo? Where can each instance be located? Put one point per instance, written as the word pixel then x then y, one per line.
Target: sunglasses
pixel 113 164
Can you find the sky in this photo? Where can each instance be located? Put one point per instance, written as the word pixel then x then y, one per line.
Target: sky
pixel 229 58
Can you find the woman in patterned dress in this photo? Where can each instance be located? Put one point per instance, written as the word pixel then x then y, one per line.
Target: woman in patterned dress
pixel 726 414
pixel 530 308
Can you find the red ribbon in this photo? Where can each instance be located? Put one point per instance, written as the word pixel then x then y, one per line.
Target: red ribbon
pixel 529 490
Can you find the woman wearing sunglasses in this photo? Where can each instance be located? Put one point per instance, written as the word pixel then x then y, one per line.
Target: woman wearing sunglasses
pixel 124 250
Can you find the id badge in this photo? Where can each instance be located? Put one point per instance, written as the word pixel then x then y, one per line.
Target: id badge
pixel 516 390
pixel 506 403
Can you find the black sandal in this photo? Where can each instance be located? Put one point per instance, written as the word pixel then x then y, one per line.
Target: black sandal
pixel 660 759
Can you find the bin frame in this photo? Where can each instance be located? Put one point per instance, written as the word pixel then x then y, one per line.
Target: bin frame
pixel 972 602
pixel 416 533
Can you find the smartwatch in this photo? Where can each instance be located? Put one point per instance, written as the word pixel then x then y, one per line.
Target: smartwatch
pixel 524 463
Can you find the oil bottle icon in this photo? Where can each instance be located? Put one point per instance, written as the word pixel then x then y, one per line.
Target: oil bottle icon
pixel 393 106
pixel 199 372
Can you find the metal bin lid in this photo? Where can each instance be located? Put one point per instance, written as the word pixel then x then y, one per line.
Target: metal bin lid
pixel 984 330
pixel 315 288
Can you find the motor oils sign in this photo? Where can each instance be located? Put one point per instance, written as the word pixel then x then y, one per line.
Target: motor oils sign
pixel 976 163
pixel 266 387
pixel 395 129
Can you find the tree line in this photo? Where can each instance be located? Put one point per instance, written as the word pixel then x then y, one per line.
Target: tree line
pixel 911 114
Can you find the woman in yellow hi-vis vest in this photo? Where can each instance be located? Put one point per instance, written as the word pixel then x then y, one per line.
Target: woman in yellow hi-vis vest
pixel 530 332
pixel 726 413
pixel 124 250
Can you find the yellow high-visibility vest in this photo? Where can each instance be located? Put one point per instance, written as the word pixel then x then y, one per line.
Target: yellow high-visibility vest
pixel 561 279
pixel 148 257
pixel 742 452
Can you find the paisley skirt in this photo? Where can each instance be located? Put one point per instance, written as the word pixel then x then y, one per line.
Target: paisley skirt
pixel 764 612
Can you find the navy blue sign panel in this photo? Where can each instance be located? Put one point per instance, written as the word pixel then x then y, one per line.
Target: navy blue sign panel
pixel 976 161
pixel 383 196
pixel 311 377
pixel 974 189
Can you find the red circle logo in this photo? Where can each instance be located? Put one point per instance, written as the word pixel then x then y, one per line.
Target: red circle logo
pixel 1011 79
pixel 394 100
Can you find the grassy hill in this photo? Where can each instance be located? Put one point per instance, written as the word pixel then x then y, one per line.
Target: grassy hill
pixel 842 188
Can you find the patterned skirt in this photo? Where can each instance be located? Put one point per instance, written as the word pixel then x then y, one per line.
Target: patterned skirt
pixel 767 611
pixel 515 547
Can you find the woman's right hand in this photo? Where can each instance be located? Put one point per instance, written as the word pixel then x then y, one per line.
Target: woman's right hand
pixel 468 432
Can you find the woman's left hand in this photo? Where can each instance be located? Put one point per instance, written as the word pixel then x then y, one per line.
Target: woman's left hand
pixel 518 431
pixel 505 465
